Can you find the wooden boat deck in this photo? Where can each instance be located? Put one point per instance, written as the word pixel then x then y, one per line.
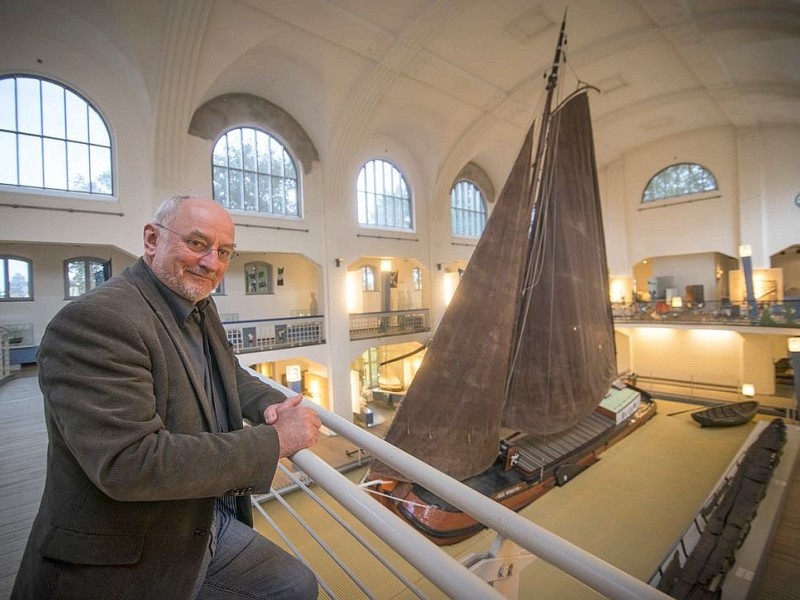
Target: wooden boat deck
pixel 23 445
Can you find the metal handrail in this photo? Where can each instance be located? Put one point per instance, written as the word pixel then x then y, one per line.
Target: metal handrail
pixel 443 570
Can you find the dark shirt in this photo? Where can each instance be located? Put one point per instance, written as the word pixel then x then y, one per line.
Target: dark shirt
pixel 190 319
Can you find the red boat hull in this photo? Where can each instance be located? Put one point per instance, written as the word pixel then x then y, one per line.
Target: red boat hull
pixel 447 526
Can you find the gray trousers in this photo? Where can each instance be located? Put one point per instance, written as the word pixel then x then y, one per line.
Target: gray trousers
pixel 242 563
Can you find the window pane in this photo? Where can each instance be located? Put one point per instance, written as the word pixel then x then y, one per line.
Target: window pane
pixel 276 157
pixel 8 106
pixel 249 160
pixel 76 274
pixel 248 149
pixel 30 160
pixel 288 166
pixel 8 158
pixel 292 207
pixel 53 110
pixel 264 193
pixel 235 149
pixel 383 196
pixel 277 196
pixel 262 145
pixel 98 132
pixel 101 170
pixel 235 190
pixel 49 117
pixel 29 106
pixel 77 119
pixel 98 274
pixel 467 210
pixel 679 180
pixel 220 156
pixel 78 167
pixel 250 198
pixel 55 164
pixel 220 177
pixel 3 279
pixel 18 279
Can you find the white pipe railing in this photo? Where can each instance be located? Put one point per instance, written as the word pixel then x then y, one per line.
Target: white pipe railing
pixel 444 571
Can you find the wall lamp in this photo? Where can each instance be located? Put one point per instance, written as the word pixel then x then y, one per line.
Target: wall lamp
pixel 338 261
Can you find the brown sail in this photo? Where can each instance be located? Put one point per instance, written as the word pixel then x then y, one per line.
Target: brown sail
pixel 450 416
pixel 526 344
pixel 565 358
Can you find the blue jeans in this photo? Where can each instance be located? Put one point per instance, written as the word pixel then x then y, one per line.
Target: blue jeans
pixel 244 564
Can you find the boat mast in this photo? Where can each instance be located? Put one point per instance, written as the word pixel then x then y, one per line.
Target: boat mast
pixel 544 132
pixel 537 167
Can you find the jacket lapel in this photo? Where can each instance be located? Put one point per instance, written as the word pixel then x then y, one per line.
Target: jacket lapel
pixel 142 279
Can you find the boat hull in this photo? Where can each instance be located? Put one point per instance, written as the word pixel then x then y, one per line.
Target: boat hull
pixel 445 524
pixel 728 415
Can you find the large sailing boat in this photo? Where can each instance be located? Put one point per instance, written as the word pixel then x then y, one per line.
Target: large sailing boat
pixel 518 389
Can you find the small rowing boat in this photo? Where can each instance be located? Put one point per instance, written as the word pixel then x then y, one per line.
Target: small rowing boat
pixel 727 415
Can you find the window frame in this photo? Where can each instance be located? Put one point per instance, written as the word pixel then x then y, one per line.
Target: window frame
pixel 38 131
pixel 370 214
pixel 4 272
pixel 259 267
pixel 88 262
pixel 254 171
pixel 467 214
pixel 674 171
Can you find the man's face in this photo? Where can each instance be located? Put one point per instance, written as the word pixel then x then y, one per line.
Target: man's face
pixel 169 248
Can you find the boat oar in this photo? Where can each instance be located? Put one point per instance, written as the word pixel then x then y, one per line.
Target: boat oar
pixel 688 410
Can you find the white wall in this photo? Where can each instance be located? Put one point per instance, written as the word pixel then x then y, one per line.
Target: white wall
pixel 668 228
pixel 718 357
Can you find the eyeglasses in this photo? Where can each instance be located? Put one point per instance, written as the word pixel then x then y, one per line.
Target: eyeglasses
pixel 202 248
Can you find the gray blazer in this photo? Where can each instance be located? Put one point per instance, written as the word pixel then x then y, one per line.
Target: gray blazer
pixel 132 467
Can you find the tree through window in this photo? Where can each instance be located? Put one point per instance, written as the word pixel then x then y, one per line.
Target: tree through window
pixel 254 173
pixel 679 180
pixel 84 274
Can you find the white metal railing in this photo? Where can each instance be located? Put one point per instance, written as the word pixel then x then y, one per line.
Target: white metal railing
pixel 395 322
pixel 274 334
pixel 440 568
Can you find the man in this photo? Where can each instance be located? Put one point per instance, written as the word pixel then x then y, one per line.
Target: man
pixel 149 469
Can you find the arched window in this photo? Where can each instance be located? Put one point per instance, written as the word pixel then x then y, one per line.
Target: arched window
pixel 253 172
pixel 52 138
pixel 384 199
pixel 679 180
pixel 83 274
pixel 367 279
pixel 467 210
pixel 16 279
pixel 258 278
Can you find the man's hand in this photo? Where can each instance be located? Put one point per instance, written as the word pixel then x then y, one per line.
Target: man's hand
pixel 297 426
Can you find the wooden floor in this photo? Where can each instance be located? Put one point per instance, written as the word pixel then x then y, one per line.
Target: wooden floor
pixel 23 445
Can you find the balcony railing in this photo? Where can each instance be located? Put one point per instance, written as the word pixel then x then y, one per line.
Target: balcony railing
pixel 381 324
pixel 763 314
pixel 275 334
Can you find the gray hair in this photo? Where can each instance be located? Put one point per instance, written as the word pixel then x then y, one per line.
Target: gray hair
pixel 166 212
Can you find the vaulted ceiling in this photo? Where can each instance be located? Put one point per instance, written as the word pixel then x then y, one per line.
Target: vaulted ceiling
pixel 449 80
